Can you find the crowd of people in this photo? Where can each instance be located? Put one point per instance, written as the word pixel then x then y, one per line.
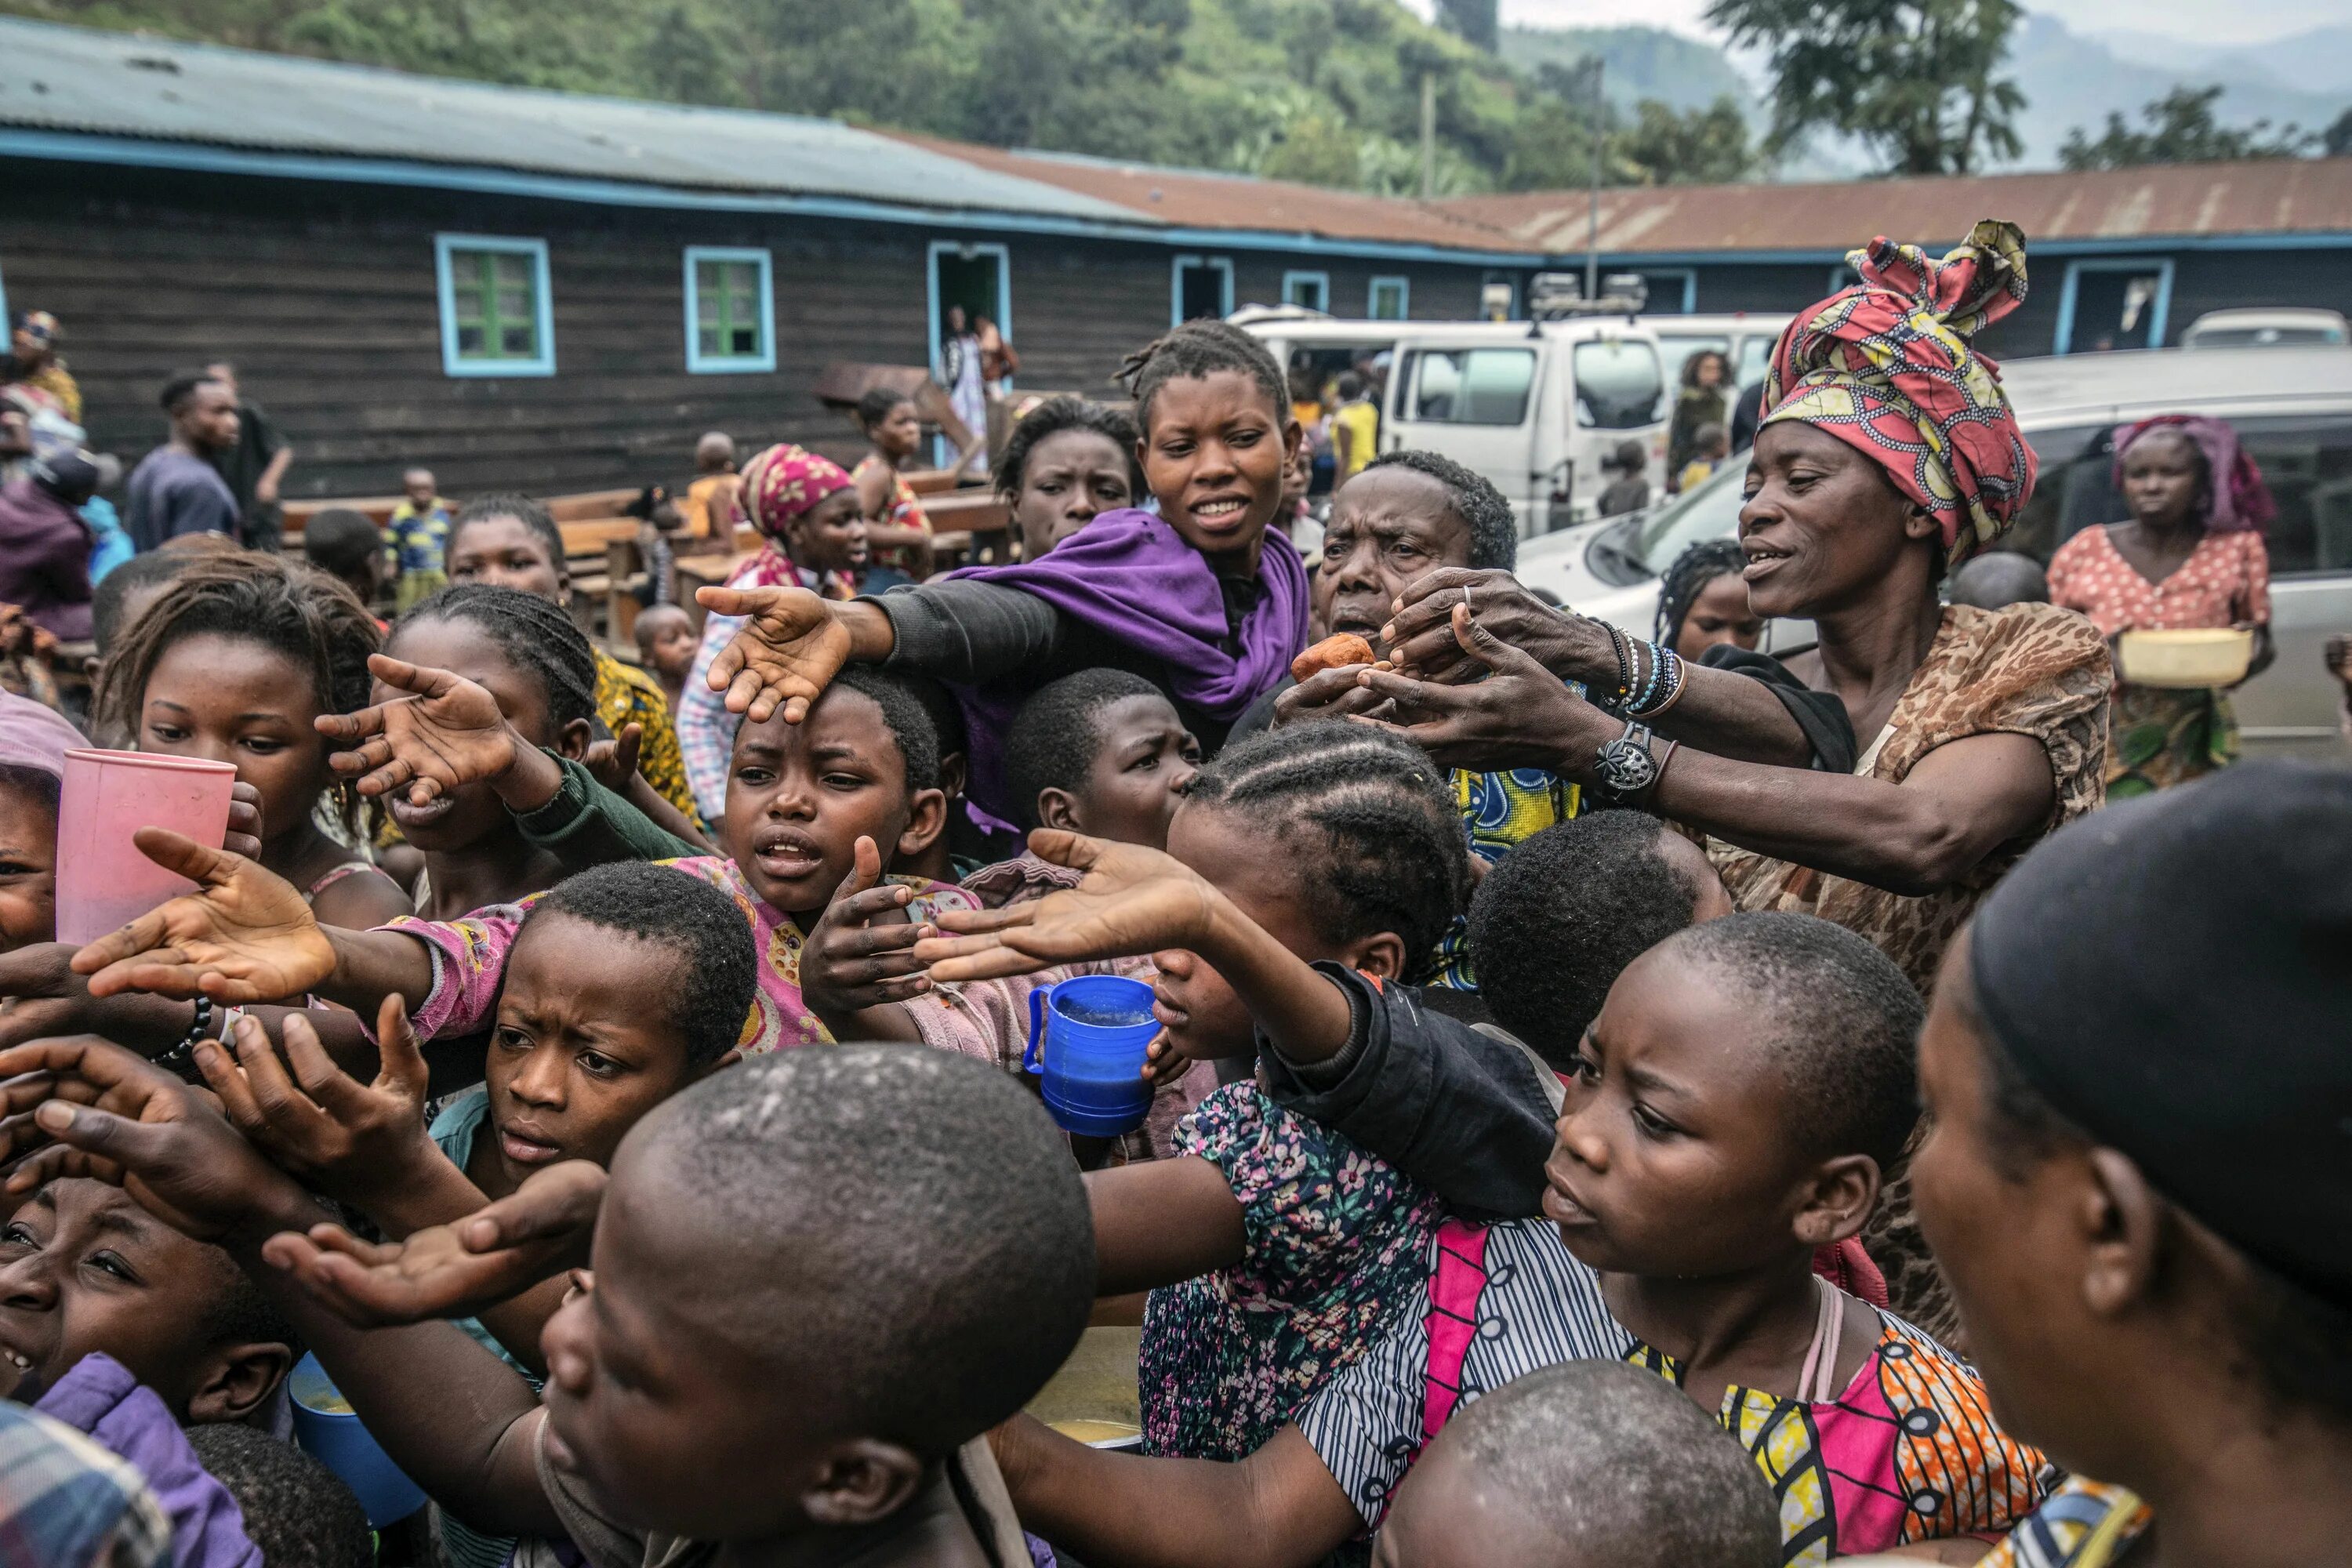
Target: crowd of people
pixel 1615 1101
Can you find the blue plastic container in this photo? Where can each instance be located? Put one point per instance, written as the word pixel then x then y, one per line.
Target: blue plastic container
pixel 328 1430
pixel 1091 1032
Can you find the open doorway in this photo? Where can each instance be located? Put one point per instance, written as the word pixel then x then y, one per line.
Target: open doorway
pixel 970 284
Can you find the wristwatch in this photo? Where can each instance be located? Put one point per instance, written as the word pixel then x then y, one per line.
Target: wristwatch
pixel 1625 767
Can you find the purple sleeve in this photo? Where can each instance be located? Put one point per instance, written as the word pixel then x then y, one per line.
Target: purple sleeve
pixel 102 1398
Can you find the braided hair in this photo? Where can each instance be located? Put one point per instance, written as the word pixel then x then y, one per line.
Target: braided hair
pixel 298 611
pixel 537 637
pixel 1052 418
pixel 1687 578
pixel 1200 348
pixel 1391 854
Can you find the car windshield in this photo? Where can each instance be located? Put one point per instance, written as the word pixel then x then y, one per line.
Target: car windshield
pixel 1709 512
pixel 2262 337
pixel 1617 384
pixel 1675 351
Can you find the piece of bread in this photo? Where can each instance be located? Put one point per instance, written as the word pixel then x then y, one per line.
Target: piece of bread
pixel 1336 652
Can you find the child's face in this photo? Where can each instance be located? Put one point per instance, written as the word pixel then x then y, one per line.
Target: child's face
pixel 84 1268
pixel 419 486
pixel 1070 478
pixel 227 699
pixel 504 552
pixel 799 796
pixel 1389 527
pixel 897 433
pixel 577 1056
pixel 28 870
pixel 1215 455
pixel 668 643
pixel 1671 1154
pixel 1719 614
pixel 471 813
pixel 1144 763
pixel 831 535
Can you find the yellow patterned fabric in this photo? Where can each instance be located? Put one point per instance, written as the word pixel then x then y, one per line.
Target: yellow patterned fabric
pixel 627 695
pixel 1499 812
pixel 2086 1525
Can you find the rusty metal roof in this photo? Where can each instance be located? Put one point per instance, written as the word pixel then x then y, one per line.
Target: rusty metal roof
pixel 2279 195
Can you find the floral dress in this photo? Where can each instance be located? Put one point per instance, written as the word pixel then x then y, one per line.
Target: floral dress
pixel 1335 1239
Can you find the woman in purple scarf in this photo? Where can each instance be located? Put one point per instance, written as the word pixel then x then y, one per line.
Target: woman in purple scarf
pixel 1194 599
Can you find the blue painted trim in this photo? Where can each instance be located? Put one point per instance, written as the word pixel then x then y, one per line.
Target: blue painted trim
pixel 2159 311
pixel 1322 281
pixel 1176 265
pixel 697 362
pixel 66 146
pixel 1405 299
pixel 966 250
pixel 542 301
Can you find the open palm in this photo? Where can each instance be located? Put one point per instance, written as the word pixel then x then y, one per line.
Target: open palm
pixel 1132 901
pixel 448 732
pixel 786 653
pixel 244 935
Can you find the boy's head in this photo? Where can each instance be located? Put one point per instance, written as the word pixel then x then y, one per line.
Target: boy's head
pixel 666 641
pixel 298 1513
pixel 714 453
pixel 626 984
pixel 1343 843
pixel 1999 578
pixel 816 1276
pixel 1587 1464
pixel 865 763
pixel 347 547
pixel 84 1268
pixel 510 542
pixel 1100 752
pixel 1712 442
pixel 1745 1086
pixel 419 486
pixel 127 590
pixel 1406 515
pixel 1556 921
pixel 1629 457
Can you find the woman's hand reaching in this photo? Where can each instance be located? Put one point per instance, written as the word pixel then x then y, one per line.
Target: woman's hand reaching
pixel 786 653
pixel 448 732
pixel 245 935
pixel 1132 901
pixel 1520 716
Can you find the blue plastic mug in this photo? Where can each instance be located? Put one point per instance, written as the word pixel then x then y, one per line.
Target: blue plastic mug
pixel 1091 1032
pixel 328 1430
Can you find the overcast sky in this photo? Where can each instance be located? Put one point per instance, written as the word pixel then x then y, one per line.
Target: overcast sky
pixel 2242 21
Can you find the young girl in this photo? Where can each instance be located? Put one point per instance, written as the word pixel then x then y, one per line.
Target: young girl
pixel 897 531
pixel 1703 601
pixel 236 663
pixel 33 745
pixel 1188 598
pixel 1066 462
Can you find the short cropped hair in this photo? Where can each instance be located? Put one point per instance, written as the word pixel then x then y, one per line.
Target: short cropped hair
pixel 342 542
pixel 1841 1018
pixel 1052 418
pixel 969 1273
pixel 717 973
pixel 151 570
pixel 1057 734
pixel 905 717
pixel 1622 1466
pixel 523 509
pixel 875 407
pixel 1558 919
pixel 182 387
pixel 1494 529
pixel 297 1514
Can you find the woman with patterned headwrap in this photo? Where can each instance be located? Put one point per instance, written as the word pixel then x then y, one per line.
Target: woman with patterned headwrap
pixel 812 535
pixel 2190 554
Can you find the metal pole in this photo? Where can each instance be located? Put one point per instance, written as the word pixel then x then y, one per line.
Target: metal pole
pixel 1428 135
pixel 1592 227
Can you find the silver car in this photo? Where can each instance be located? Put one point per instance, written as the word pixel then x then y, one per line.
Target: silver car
pixel 2292 408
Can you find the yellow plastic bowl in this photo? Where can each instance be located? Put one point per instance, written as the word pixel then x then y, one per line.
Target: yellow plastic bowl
pixel 2201 656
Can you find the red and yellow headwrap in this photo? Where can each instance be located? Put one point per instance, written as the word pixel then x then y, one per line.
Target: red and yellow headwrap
pixel 784 481
pixel 1887 368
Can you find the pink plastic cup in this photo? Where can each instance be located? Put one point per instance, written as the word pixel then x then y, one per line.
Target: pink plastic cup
pixel 103 881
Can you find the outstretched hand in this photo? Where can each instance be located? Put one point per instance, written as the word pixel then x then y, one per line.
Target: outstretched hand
pixel 447 733
pixel 1131 900
pixel 455 1270
pixel 785 654
pixel 1420 630
pixel 340 1137
pixel 858 956
pixel 1520 716
pixel 245 934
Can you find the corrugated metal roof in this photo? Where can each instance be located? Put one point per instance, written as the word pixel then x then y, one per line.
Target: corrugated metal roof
pixel 79 79
pixel 1198 198
pixel 2280 196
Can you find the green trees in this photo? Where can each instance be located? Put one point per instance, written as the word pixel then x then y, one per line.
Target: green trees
pixel 2179 128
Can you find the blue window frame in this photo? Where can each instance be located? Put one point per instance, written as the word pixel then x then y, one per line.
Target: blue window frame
pixel 496 318
pixel 1674 290
pixel 731 310
pixel 2113 303
pixel 1200 286
pixel 1389 298
pixel 1307 290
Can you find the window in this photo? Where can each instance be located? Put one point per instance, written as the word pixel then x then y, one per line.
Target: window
pixel 1674 291
pixel 1307 290
pixel 495 316
pixel 730 313
pixel 1202 286
pixel 1617 384
pixel 1389 298
pixel 1674 352
pixel 1471 386
pixel 2114 304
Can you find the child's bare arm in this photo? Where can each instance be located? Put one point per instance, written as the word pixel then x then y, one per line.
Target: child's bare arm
pixel 1280 1507
pixel 1162 1222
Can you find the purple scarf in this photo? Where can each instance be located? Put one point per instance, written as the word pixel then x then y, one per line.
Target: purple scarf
pixel 1131 577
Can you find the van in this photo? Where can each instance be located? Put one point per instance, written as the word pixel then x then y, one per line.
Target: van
pixel 1534 407
pixel 1744 339
pixel 2292 408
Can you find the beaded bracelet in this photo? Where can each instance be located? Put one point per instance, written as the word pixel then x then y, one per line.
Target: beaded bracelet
pixel 179 1053
pixel 1674 671
pixel 1617 641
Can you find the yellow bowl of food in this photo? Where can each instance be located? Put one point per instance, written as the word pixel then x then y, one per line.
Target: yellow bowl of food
pixel 2197 657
